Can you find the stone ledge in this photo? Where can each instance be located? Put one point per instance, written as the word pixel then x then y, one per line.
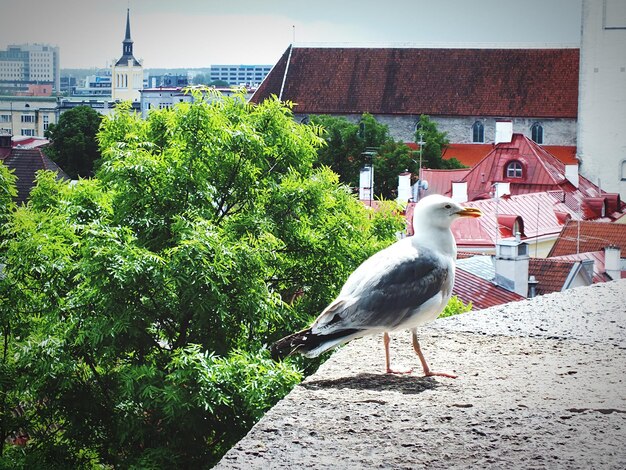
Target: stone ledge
pixel 542 384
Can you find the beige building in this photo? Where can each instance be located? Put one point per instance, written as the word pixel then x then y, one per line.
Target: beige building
pixel 127 72
pixel 602 94
pixel 27 116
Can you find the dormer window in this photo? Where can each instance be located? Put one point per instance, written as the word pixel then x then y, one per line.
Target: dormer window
pixel 514 170
pixel 536 133
pixel 478 132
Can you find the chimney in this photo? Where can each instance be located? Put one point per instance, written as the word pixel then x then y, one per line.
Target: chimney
pixel 366 183
pixel 502 189
pixel 511 265
pixel 571 174
pixel 404 187
pixel 532 287
pixel 459 191
pixel 613 262
pixel 504 131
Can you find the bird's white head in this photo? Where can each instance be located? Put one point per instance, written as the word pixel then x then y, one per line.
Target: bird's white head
pixel 436 211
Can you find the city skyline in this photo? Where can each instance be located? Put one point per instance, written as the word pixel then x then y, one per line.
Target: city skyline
pixel 196 34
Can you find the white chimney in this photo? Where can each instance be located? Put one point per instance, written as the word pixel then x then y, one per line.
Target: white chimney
pixel 459 191
pixel 366 183
pixel 571 174
pixel 404 187
pixel 502 189
pixel 612 261
pixel 504 131
pixel 511 265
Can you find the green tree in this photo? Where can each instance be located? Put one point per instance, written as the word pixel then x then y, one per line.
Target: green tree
pixel 435 145
pixel 140 302
pixel 347 142
pixel 390 160
pixel 73 141
pixel 350 146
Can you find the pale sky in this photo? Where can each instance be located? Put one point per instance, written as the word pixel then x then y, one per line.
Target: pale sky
pixel 198 33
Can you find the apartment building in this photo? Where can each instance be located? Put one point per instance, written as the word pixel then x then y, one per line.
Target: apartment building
pixel 25 65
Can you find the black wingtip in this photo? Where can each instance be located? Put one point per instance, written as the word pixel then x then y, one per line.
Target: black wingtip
pixel 289 345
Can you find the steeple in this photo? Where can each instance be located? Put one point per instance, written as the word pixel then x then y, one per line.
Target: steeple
pixel 128 42
pixel 127 45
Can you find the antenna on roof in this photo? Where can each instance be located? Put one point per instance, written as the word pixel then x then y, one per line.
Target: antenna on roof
pixel 293 29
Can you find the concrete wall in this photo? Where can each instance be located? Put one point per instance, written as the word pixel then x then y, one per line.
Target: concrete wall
pixel 540 385
pixel 602 94
pixel 459 128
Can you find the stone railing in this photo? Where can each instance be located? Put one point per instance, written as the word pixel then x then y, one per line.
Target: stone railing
pixel 542 384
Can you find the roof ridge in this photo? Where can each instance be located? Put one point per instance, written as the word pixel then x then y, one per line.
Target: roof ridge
pixel 538 151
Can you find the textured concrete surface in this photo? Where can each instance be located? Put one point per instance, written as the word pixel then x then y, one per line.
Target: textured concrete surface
pixel 542 385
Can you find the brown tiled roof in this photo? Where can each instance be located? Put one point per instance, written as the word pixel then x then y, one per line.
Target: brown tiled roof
pixel 26 163
pixel 598 258
pixel 467 82
pixel 483 294
pixel 588 236
pixel 551 274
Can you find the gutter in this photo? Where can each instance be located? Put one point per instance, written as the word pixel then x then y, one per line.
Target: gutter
pixel 282 85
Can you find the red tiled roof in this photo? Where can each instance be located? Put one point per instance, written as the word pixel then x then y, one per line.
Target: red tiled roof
pixel 541 171
pixel 588 236
pixel 483 294
pixel 599 271
pixel 551 274
pixel 26 163
pixel 452 82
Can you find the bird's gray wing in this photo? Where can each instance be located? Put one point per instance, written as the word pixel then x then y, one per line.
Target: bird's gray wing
pixel 390 297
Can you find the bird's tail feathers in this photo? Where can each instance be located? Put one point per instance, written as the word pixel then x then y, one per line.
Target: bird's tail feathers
pixel 310 344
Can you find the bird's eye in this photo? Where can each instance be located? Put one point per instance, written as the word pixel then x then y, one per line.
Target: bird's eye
pixel 448 206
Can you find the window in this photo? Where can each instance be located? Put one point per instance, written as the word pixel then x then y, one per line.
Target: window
pixel 536 133
pixel 46 122
pixel 28 118
pixel 478 132
pixel 28 132
pixel 623 171
pixel 5 118
pixel 514 170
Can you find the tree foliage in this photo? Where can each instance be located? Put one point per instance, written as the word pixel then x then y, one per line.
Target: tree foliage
pixel 73 141
pixel 352 145
pixel 435 145
pixel 136 306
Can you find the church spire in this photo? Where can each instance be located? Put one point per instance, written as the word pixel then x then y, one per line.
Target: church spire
pixel 127 45
pixel 128 42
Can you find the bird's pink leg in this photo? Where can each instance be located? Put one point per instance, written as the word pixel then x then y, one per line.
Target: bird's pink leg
pixel 418 350
pixel 386 341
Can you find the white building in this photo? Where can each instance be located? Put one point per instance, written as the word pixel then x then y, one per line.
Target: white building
pixel 235 75
pixel 602 94
pixel 127 72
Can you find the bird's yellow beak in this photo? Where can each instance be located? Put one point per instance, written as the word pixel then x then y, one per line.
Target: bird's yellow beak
pixel 470 212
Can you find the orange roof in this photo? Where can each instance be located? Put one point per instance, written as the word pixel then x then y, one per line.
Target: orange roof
pixel 467 154
pixel 565 153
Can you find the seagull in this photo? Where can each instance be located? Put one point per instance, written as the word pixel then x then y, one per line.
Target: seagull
pixel 401 287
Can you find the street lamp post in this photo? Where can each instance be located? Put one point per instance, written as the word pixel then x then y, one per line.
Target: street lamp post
pixel 421 143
